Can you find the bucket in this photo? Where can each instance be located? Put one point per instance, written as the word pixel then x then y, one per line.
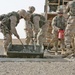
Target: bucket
pixel 61 34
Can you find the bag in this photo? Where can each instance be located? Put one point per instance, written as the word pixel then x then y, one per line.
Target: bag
pixel 61 34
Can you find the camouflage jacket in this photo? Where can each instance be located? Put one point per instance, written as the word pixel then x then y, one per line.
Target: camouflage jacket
pixel 9 23
pixel 59 22
pixel 5 18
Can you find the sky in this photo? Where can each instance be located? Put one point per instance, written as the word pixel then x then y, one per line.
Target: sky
pixel 7 6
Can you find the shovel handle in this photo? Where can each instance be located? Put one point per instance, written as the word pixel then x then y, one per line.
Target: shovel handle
pixel 21 42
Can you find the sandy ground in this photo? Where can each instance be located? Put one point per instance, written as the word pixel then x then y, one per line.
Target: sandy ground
pixel 36 68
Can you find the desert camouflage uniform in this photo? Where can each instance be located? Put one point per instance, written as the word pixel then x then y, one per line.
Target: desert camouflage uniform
pixel 38 22
pixel 35 18
pixel 8 23
pixel 58 22
pixel 28 29
pixel 7 30
pixel 70 29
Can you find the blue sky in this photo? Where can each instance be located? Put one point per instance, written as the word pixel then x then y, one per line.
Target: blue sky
pixel 7 6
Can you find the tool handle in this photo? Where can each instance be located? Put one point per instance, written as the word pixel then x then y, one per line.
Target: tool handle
pixel 21 42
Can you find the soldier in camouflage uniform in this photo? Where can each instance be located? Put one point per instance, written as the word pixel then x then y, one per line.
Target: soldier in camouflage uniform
pixel 8 22
pixel 58 23
pixel 38 21
pixel 70 29
pixel 28 29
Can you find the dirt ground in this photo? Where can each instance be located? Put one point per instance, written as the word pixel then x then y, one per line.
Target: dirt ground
pixel 35 68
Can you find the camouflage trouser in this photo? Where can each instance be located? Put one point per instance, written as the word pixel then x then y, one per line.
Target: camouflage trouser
pixel 29 37
pixel 7 41
pixel 36 20
pixel 69 31
pixel 55 40
pixel 41 37
pixel 29 33
pixel 7 36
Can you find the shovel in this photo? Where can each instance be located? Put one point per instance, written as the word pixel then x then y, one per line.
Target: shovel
pixel 22 43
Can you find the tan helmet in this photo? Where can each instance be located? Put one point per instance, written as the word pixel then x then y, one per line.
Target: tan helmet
pixel 22 13
pixel 32 8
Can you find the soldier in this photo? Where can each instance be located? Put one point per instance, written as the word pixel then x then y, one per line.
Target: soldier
pixel 28 29
pixel 31 9
pixel 58 23
pixel 69 31
pixel 8 22
pixel 38 21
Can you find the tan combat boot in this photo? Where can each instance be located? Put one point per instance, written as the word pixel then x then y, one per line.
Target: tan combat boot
pixel 5 51
pixel 56 53
pixel 55 49
pixel 69 51
pixel 63 51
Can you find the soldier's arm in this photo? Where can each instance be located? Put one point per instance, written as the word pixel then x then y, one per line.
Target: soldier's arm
pixel 54 23
pixel 13 26
pixel 65 20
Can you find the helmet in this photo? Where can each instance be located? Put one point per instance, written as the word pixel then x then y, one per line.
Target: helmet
pixel 60 11
pixel 22 13
pixel 32 8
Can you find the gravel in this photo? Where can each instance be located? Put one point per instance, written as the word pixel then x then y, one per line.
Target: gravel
pixel 37 68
